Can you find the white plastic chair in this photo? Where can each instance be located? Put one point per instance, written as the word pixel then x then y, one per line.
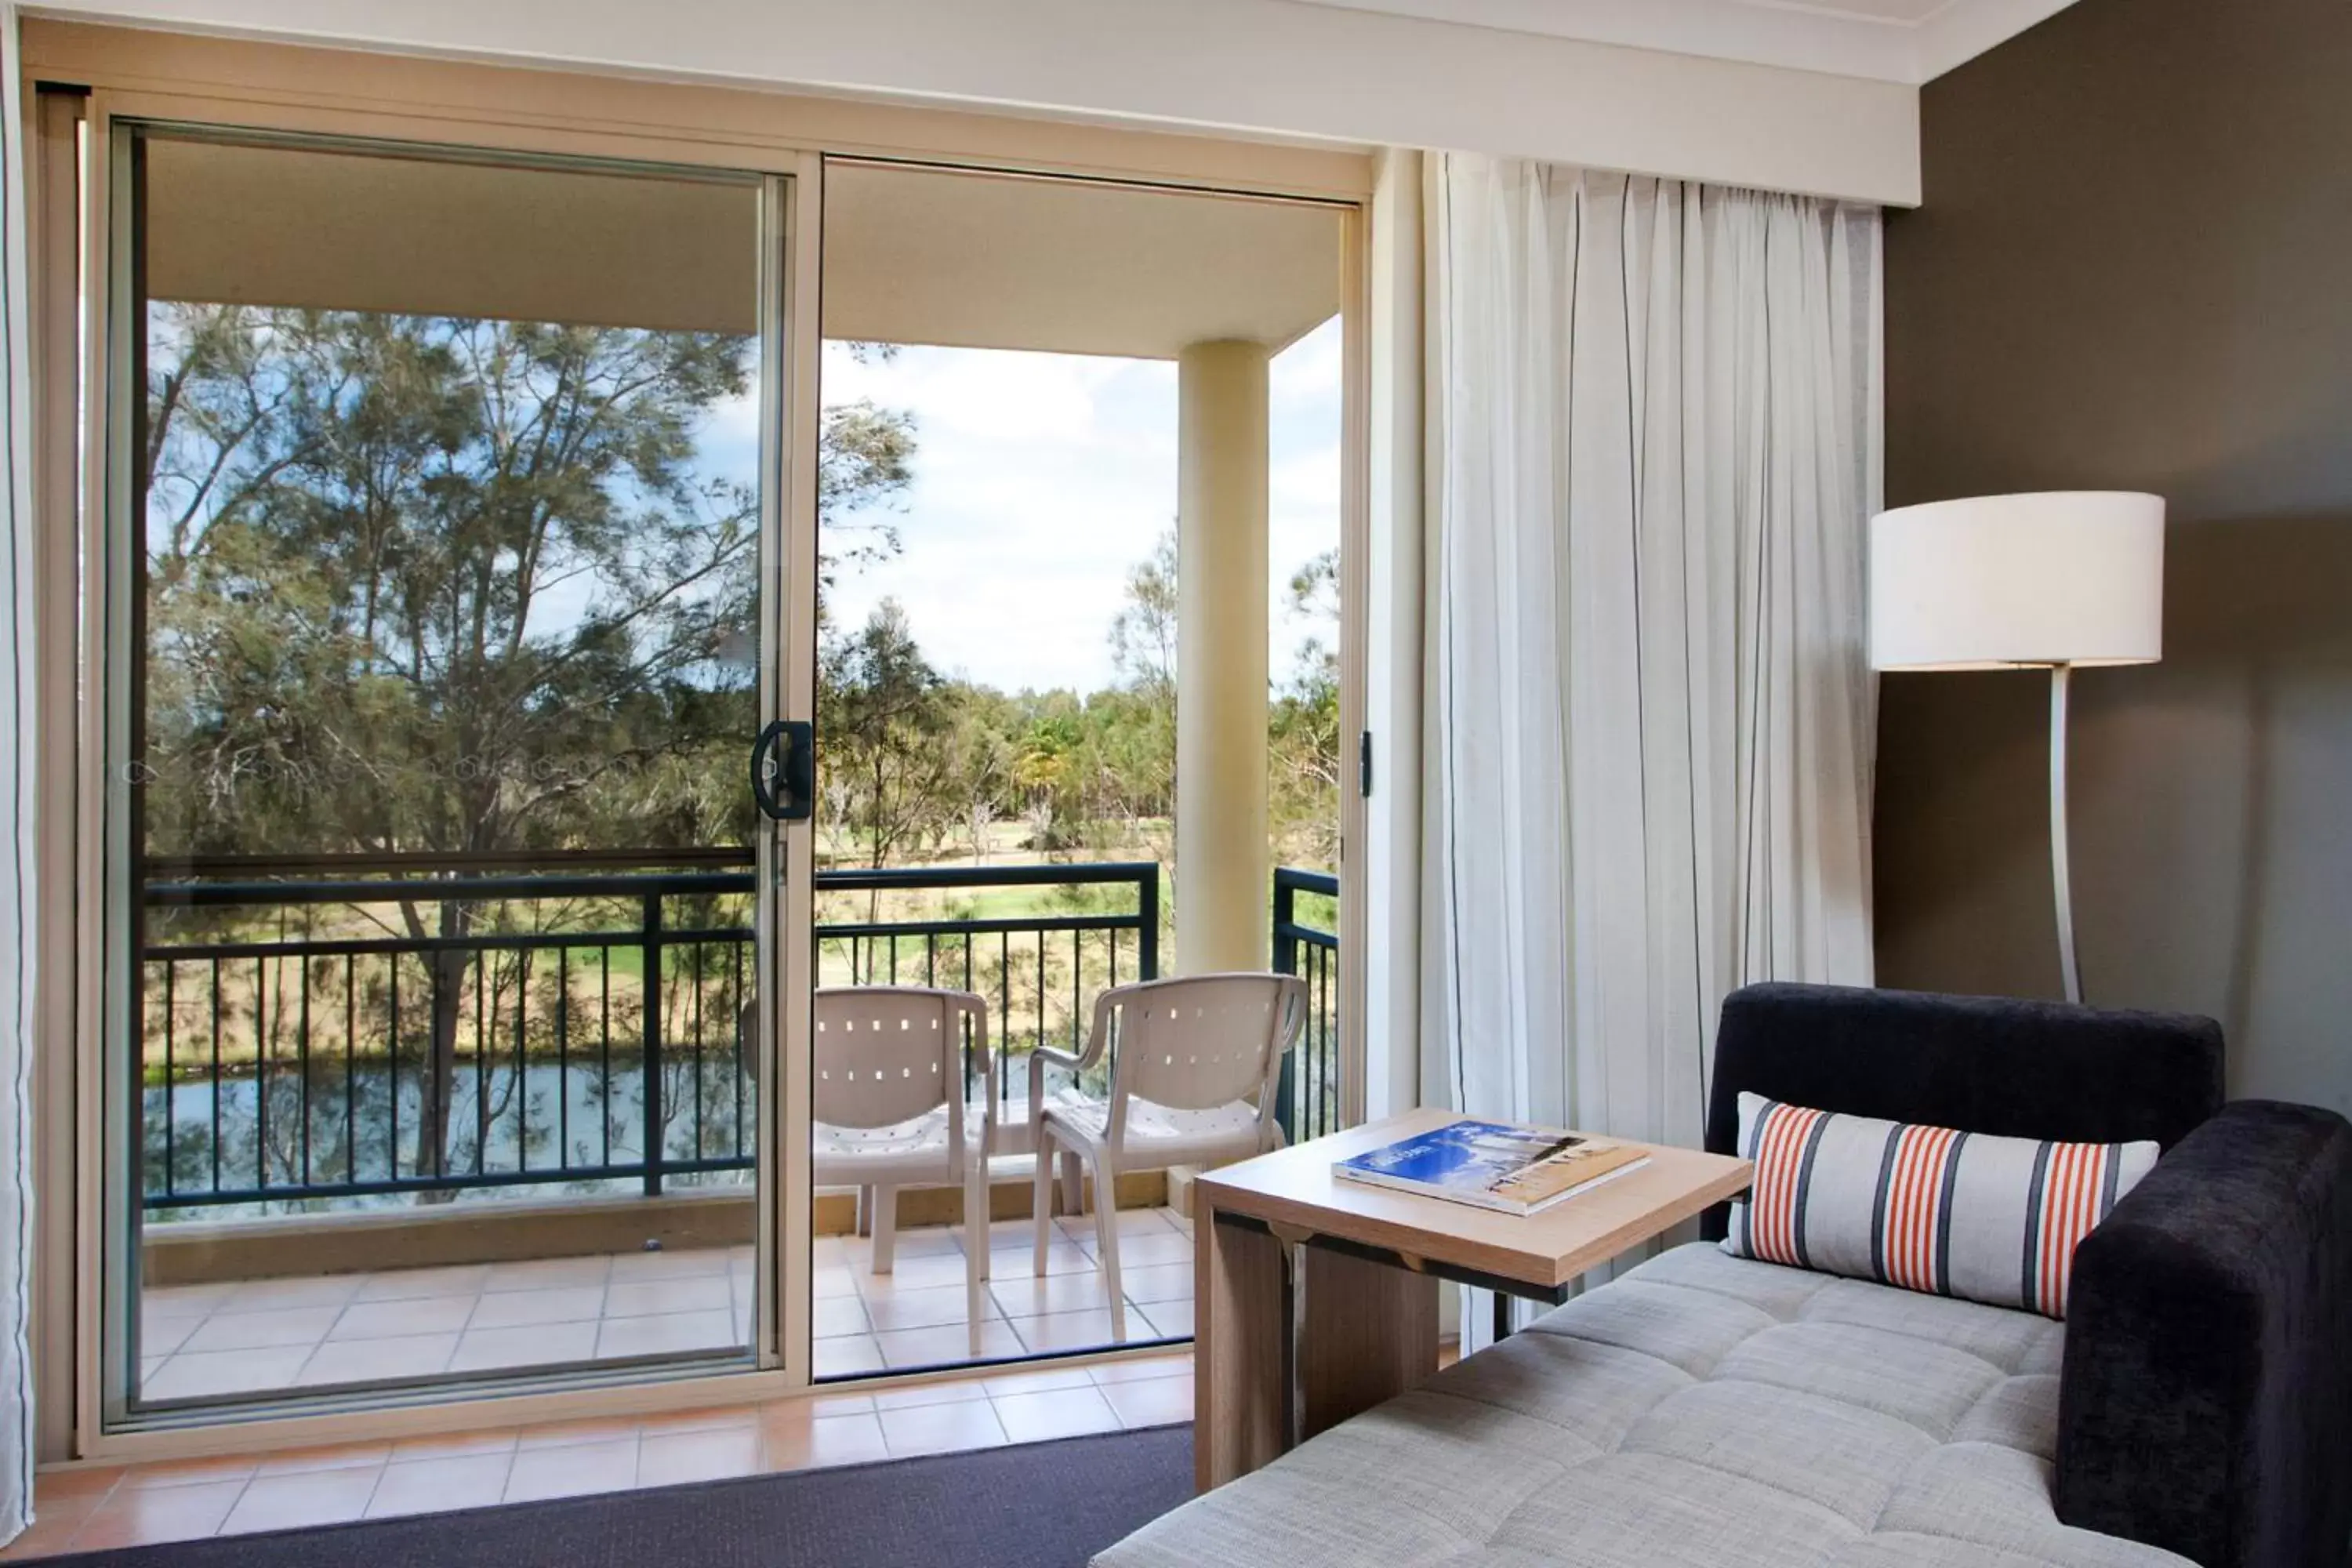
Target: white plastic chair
pixel 889 1105
pixel 1191 1083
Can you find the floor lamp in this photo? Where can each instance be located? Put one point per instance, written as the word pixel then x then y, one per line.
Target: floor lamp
pixel 2058 581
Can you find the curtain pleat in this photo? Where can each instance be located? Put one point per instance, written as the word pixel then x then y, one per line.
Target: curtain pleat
pixel 16 889
pixel 1653 454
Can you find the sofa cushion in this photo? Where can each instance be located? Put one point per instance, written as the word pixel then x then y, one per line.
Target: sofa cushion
pixel 1703 1411
pixel 1929 1208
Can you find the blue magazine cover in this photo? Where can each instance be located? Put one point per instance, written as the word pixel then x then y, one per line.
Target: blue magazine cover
pixel 1494 1164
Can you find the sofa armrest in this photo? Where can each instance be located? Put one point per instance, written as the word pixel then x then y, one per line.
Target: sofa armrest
pixel 2206 1402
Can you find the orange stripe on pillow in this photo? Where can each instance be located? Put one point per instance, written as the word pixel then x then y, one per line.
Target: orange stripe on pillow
pixel 2095 1158
pixel 1780 1161
pixel 1769 1201
pixel 1915 1205
pixel 2070 1206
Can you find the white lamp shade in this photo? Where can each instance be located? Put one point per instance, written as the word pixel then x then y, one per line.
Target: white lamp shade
pixel 2065 577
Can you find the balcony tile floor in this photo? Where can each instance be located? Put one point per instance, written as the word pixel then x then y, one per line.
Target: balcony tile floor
pixel 93 1508
pixel 264 1335
pixel 914 1316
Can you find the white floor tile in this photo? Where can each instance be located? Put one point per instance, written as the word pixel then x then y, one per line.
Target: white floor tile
pixel 1172 1320
pixel 1056 1413
pixel 1026 1296
pixel 280 1294
pixel 832 1317
pixel 923 1308
pixel 528 1344
pixel 240 1330
pixel 910 1348
pixel 941 1428
pixel 198 1375
pixel 668 1334
pixel 848 1357
pixel 406 1284
pixel 647 1298
pixel 1069 1331
pixel 387 1319
pixel 520 1308
pixel 371 1361
pixel 1156 1281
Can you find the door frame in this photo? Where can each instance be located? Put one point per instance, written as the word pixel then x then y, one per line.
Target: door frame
pixel 113 657
pixel 139 74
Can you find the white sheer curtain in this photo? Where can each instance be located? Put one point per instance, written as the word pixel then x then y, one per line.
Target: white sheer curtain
pixel 1655 445
pixel 17 837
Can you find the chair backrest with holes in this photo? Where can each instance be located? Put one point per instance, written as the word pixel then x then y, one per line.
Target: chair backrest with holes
pixel 887 1054
pixel 1203 1041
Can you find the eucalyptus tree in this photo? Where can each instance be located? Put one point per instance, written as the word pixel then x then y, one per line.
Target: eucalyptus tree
pixel 443 590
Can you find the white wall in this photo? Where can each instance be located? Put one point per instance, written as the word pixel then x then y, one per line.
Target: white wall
pixel 1259 66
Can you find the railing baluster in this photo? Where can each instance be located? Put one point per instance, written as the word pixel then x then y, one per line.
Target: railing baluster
pixel 216 1073
pixel 563 1057
pixel 695 969
pixel 430 1112
pixel 351 1065
pixel 605 1067
pixel 651 1063
pixel 261 1074
pixel 735 1011
pixel 302 1065
pixel 170 1078
pixel 522 1061
pixel 481 1066
pixel 392 1052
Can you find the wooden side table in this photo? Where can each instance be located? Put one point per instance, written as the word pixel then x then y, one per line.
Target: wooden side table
pixel 1315 1298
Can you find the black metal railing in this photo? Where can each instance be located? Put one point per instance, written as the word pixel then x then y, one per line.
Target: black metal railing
pixel 1308 1097
pixel 421 1036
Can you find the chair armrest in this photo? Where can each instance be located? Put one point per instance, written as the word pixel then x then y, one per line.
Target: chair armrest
pixel 1068 1061
pixel 2206 1401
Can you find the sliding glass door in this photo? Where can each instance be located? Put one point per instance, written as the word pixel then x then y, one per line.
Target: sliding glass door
pixel 1071 430
pixel 441 612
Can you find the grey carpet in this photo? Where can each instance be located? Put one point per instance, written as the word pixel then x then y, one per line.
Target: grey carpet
pixel 1042 1505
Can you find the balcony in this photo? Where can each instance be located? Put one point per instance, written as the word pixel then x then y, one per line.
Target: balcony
pixel 459 1119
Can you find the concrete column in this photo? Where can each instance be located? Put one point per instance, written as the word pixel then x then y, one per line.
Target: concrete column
pixel 1223 920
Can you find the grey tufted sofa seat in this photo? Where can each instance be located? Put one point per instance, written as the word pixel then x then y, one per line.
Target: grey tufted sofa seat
pixel 1702 1410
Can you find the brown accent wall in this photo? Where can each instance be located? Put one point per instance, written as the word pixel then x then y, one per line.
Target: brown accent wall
pixel 2134 270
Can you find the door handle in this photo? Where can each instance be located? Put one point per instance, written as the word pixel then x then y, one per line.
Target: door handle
pixel 783 770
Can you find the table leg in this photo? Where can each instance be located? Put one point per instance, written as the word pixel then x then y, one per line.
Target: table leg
pixel 1240 1332
pixel 1367 1333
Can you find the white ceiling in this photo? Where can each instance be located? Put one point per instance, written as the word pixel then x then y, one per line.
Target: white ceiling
pixel 912 256
pixel 1888 40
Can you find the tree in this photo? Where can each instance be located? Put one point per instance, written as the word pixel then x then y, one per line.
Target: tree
pixel 884 713
pixel 1143 633
pixel 427 584
pixel 1303 724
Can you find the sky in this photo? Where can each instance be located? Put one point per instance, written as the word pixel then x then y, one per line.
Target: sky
pixel 1041 480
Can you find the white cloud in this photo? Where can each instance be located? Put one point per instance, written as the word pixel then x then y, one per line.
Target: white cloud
pixel 1040 480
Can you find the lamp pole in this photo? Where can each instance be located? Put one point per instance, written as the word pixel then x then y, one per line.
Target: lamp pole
pixel 2060 878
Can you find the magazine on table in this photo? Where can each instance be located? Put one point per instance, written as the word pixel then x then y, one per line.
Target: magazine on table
pixel 1494 1164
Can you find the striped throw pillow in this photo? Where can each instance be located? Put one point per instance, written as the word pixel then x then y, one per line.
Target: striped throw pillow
pixel 1926 1208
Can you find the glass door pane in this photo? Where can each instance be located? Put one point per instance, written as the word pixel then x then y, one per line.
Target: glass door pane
pixel 1065 421
pixel 440 630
